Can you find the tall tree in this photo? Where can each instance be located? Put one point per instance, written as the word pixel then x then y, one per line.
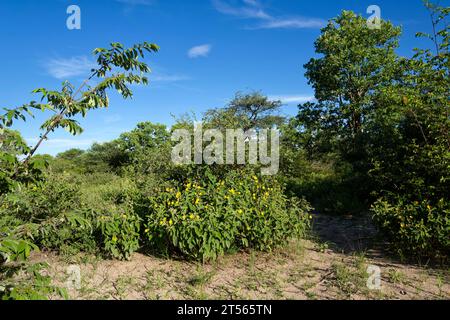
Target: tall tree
pixel 354 61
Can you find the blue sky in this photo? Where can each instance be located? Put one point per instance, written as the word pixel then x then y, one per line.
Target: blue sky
pixel 209 50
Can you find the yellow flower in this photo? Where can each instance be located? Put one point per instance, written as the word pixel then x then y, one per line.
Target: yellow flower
pixel 232 191
pixel 240 211
pixel 310 217
pixel 147 230
pixel 124 216
pixel 192 216
pixel 178 195
pixel 197 201
pixel 114 239
pixel 170 222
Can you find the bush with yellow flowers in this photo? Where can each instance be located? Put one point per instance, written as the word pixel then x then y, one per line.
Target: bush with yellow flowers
pixel 417 227
pixel 203 218
pixel 119 234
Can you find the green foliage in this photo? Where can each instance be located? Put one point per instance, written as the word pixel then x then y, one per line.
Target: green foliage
pixel 354 63
pixel 207 217
pixel 410 149
pixel 15 250
pixel 120 234
pixel 12 146
pixel 57 195
pixel 68 233
pixel 32 285
pixel 418 228
pixel 248 111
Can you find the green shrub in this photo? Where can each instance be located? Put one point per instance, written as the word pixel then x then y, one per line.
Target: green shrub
pixel 31 284
pixel 15 250
pixel 68 234
pixel 59 194
pixel 420 227
pixel 106 192
pixel 119 234
pixel 205 218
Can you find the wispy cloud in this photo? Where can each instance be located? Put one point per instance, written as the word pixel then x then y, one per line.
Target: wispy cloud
pixel 252 9
pixel 291 98
pixel 248 9
pixel 295 23
pixel 200 51
pixel 66 68
pixel 160 74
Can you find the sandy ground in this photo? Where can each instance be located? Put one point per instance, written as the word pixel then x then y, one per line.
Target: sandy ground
pixel 332 265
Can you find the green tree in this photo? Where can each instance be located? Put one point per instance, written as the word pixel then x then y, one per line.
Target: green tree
pixel 147 135
pixel 410 129
pixel 71 154
pixel 247 111
pixel 354 62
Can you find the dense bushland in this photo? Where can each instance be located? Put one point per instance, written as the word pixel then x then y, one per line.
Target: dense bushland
pixel 375 141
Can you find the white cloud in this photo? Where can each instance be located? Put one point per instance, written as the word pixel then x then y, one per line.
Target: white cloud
pixel 289 99
pixel 252 9
pixel 295 23
pixel 249 10
pixel 200 51
pixel 61 68
pixel 164 77
pixel 254 3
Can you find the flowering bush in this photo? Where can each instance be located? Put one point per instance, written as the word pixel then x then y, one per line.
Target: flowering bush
pixel 119 234
pixel 417 227
pixel 205 218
